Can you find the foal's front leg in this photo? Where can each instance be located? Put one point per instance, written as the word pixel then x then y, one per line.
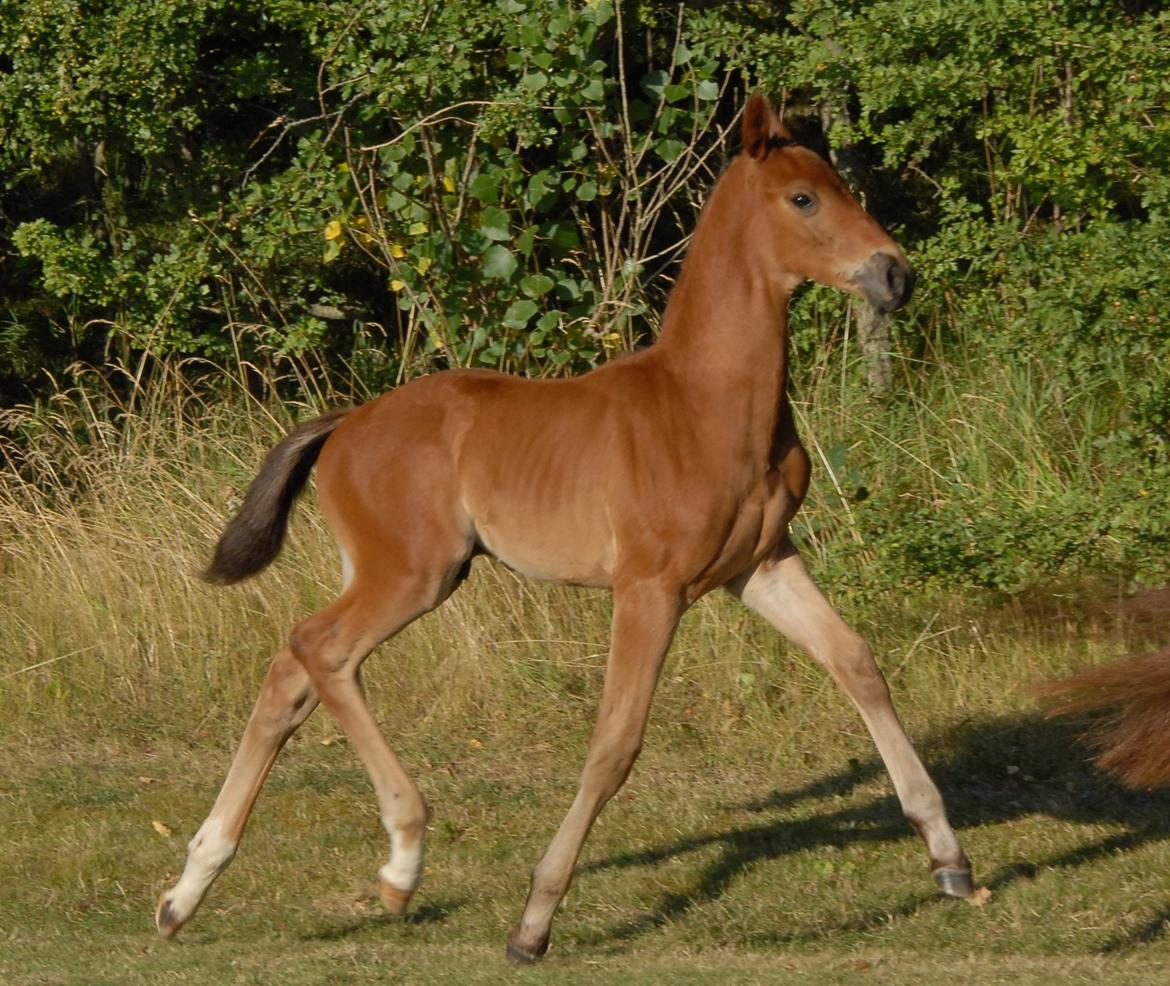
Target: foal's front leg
pixel 644 620
pixel 286 700
pixel 781 590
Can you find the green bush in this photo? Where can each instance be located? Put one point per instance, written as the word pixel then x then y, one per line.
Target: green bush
pixel 385 188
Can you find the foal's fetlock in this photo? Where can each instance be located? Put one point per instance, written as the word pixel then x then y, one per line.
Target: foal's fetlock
pixel 399 878
pixel 172 912
pixel 208 855
pixel 166 919
pixel 397 884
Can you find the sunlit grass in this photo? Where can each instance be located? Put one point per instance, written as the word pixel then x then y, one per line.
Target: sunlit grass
pixel 757 838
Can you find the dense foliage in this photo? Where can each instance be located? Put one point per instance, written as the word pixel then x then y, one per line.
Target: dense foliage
pixel 392 186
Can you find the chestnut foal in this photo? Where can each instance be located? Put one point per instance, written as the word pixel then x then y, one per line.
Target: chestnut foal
pixel 663 475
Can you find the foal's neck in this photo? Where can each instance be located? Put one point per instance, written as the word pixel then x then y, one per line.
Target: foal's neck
pixel 725 326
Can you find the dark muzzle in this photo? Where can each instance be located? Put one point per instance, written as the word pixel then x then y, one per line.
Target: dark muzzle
pixel 886 282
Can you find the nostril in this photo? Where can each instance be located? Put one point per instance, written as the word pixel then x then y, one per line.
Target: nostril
pixel 900 279
pixel 886 281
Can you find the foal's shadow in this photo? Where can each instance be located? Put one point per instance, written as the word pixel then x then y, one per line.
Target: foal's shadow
pixel 436 912
pixel 989 772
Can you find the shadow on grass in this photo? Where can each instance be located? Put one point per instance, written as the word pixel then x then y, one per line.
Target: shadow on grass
pixel 990 773
pixel 434 913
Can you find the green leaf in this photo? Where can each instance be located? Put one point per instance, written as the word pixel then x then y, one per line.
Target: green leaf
pixel 598 12
pixel 539 186
pixel 534 81
pixel 587 191
pixel 494 224
pixel 639 111
pixel 563 236
pixel 708 90
pixel 472 240
pixel 535 285
pixel 669 149
pixel 485 187
pixel 593 91
pixel 498 263
pixel 396 202
pixel 519 314
pixel 568 289
pixel 654 84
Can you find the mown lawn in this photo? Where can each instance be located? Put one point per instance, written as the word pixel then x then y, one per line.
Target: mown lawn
pixel 707 868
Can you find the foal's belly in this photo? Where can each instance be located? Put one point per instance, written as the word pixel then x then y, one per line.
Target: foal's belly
pixel 545 530
pixel 550 559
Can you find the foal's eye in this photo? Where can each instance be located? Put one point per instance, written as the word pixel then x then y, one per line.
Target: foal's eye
pixel 802 201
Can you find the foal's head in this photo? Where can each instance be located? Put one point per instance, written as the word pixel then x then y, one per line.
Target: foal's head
pixel 813 226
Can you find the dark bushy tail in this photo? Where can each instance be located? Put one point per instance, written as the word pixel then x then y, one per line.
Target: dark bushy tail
pixel 1132 737
pixel 254 536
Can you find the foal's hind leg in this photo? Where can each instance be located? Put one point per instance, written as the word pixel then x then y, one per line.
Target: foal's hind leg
pixel 331 644
pixel 286 700
pixel 782 591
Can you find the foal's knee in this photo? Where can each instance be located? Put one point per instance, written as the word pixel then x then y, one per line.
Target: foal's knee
pixel 850 661
pixel 610 763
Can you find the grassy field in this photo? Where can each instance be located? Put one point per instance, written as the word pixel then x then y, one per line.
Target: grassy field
pixel 757 841
pixel 718 863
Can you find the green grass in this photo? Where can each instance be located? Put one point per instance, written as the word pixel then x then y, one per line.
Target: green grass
pixel 710 866
pixel 757 840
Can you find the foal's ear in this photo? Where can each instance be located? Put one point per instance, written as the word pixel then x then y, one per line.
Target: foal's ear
pixel 760 125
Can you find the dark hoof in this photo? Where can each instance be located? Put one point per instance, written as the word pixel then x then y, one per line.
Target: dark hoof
pixel 165 919
pixel 394 900
pixel 954 881
pixel 523 956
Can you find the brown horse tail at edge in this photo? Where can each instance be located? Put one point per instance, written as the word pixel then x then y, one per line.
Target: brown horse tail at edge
pixel 254 536
pixel 1132 735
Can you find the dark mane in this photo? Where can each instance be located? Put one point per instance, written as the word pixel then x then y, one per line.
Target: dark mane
pixel 776 143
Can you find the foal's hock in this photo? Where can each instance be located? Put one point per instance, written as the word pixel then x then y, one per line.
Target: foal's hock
pixel 662 475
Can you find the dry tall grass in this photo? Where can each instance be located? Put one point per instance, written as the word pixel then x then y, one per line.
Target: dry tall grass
pixel 108 508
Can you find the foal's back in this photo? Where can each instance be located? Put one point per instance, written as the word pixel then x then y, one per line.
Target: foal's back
pixel 531 471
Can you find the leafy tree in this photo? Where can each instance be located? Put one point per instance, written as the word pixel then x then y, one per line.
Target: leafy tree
pixel 397 186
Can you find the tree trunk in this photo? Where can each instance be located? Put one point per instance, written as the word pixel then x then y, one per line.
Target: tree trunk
pixel 873 330
pixel 873 335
